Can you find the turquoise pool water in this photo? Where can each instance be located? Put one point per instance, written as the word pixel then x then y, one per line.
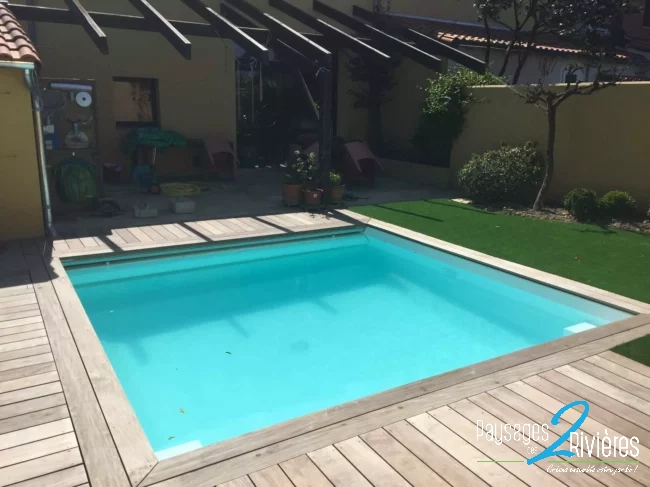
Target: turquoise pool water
pixel 212 345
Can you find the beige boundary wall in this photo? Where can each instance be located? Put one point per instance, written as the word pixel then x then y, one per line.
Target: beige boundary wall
pixel 602 139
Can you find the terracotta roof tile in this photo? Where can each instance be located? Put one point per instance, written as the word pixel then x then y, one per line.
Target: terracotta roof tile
pixel 14 43
pixel 451 33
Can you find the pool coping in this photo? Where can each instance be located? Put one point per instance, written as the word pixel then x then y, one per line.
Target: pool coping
pixel 140 462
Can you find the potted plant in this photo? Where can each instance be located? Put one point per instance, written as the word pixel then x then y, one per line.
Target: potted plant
pixel 293 181
pixel 336 188
pixel 312 195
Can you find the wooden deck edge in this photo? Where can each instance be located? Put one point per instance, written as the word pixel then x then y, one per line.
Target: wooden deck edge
pixel 130 440
pixel 206 476
pixel 271 232
pixel 536 275
pixel 100 455
pixel 241 445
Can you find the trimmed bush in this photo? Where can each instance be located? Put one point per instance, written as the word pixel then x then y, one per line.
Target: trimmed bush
pixel 509 174
pixel 582 203
pixel 618 204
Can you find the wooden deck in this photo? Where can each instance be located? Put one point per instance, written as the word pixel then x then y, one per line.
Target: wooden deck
pixel 64 423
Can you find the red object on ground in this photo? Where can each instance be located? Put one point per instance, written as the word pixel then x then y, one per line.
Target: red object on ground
pixel 222 156
pixel 359 164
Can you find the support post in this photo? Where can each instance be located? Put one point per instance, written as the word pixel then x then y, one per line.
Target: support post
pixel 325 78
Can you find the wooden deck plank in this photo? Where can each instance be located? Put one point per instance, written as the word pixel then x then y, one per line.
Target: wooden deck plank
pixel 37 449
pixel 126 235
pixel 372 466
pixel 641 474
pixel 20 300
pixel 337 469
pixel 69 477
pixel 595 412
pixel 36 418
pixel 86 239
pixel 35 433
pixel 162 230
pixel 234 225
pixel 445 465
pixel 40 466
pixel 619 370
pixel 596 397
pixel 212 229
pixel 9 347
pixel 18 309
pixel 21 329
pixel 200 231
pixel 177 231
pixel 613 379
pixel 626 362
pixel 126 431
pixel 304 473
pixel 25 382
pixel 21 322
pixel 474 410
pixel 31 405
pixel 492 473
pixel 19 337
pixel 26 361
pixel 24 352
pixel 60 244
pixel 240 482
pixel 100 456
pixel 401 460
pixel 153 234
pixel 270 477
pixel 13 374
pixel 606 388
pixel 467 430
pixel 17 315
pixel 34 392
pixel 140 235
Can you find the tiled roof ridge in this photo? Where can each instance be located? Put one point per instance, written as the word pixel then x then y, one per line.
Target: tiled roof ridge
pixel 15 44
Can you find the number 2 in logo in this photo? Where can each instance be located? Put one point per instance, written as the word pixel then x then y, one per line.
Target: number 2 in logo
pixel 551 450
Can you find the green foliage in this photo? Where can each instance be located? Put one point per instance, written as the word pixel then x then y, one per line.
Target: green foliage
pixel 618 204
pixel 301 169
pixel 582 203
pixel 443 114
pixel 335 178
pixel 509 174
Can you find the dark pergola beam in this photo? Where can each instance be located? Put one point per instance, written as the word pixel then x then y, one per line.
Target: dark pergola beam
pixel 90 26
pixel 175 38
pixel 222 24
pixel 284 32
pixel 425 42
pixel 292 55
pixel 389 42
pixel 444 50
pixel 335 35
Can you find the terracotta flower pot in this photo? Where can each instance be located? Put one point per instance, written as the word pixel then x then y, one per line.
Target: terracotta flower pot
pixel 312 197
pixel 292 194
pixel 336 193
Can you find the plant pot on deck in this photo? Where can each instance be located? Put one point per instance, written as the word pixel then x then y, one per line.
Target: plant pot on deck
pixel 336 194
pixel 292 194
pixel 312 197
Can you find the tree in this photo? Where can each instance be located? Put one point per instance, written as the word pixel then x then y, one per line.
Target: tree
pixel 581 22
pixel 550 97
pixel 376 81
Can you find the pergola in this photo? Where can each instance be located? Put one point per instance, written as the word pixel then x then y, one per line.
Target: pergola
pixel 237 21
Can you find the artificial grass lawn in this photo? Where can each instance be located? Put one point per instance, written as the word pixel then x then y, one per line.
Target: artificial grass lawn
pixel 615 260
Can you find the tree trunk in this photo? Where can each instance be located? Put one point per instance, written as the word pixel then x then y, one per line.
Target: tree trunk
pixel 550 158
pixel 521 63
pixel 488 37
pixel 506 57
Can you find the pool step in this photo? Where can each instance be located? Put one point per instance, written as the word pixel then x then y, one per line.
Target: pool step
pixel 580 327
pixel 178 450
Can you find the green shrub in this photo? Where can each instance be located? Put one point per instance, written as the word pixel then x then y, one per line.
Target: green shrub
pixel 335 178
pixel 582 203
pixel 618 204
pixel 510 174
pixel 443 114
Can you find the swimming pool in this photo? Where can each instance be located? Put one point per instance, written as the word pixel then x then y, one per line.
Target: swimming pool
pixel 210 345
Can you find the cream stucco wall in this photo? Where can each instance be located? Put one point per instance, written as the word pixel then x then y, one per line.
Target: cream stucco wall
pixel 601 138
pixel 20 196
